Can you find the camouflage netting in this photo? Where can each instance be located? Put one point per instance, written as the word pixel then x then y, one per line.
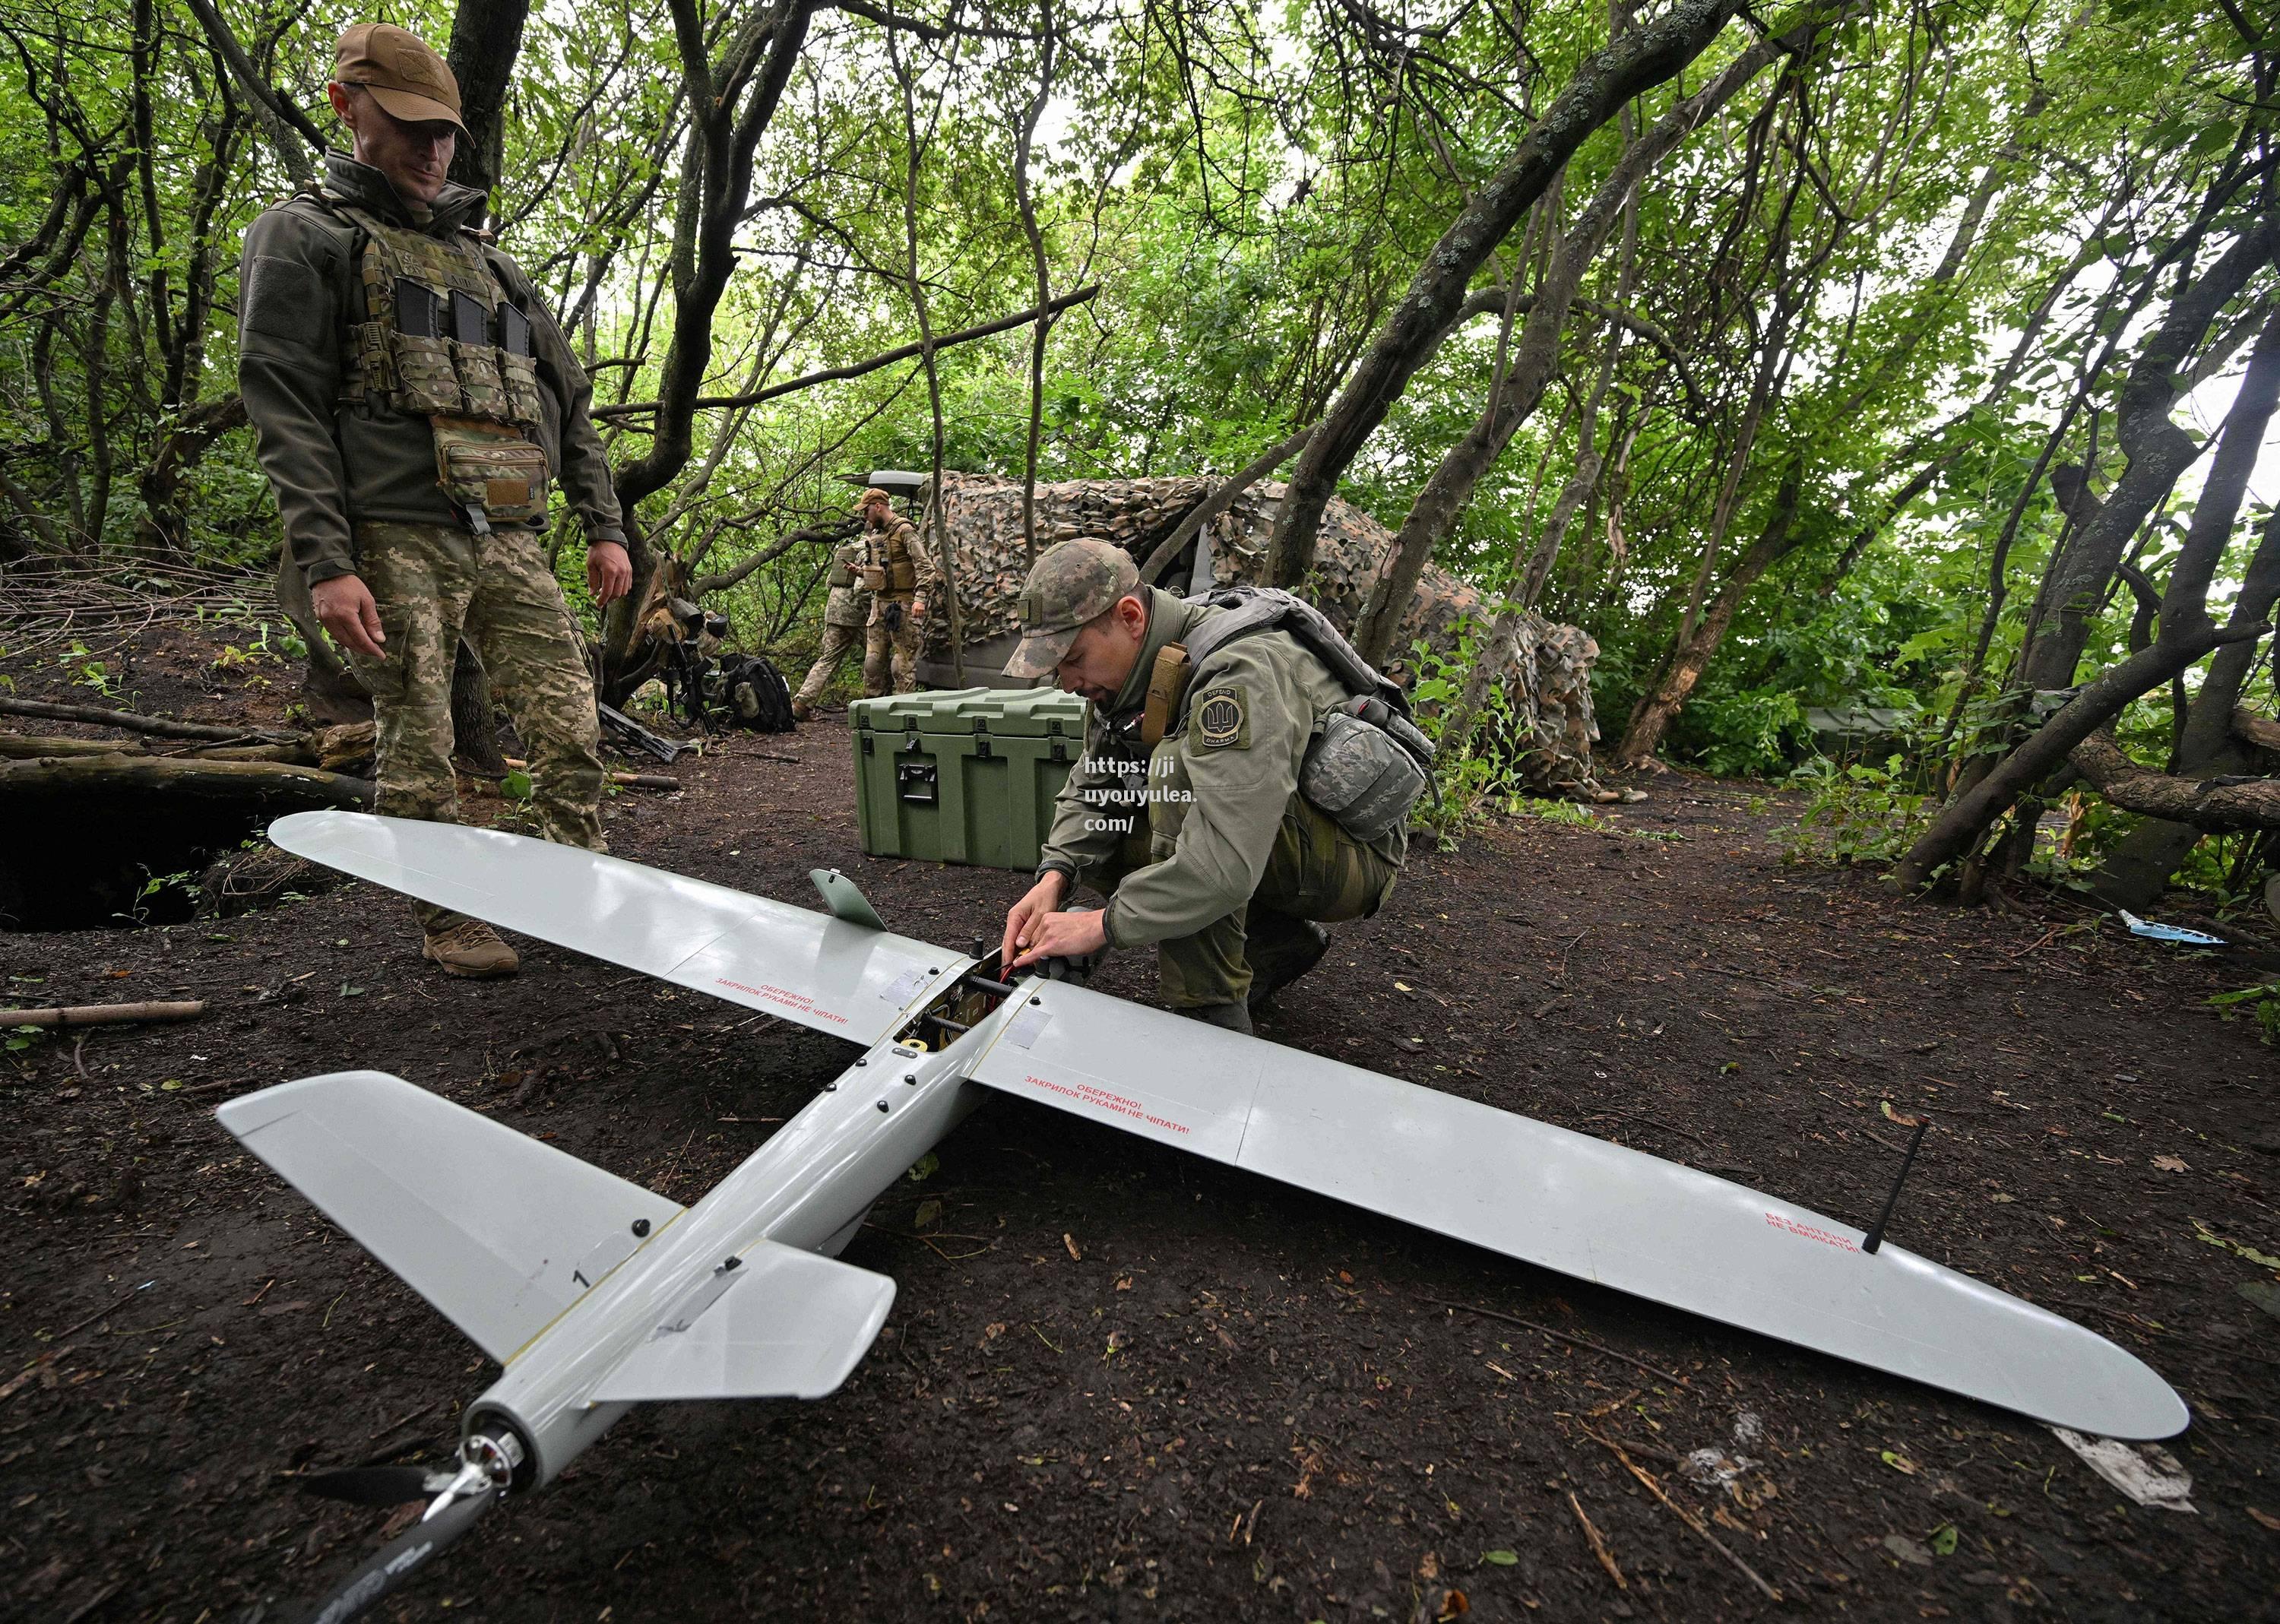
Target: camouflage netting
pixel 1547 673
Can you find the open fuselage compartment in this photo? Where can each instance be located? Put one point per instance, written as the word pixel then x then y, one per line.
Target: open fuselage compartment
pixel 956 1009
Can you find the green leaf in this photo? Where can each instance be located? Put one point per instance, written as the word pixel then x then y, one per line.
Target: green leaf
pixel 1501 1559
pixel 516 785
pixel 1942 1540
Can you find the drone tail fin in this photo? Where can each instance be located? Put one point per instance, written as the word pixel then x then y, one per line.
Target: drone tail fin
pixel 498 1232
pixel 783 1324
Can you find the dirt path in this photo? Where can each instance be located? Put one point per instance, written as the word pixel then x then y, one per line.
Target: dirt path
pixel 1118 1384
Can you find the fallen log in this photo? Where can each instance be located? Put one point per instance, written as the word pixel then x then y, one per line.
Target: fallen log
pixel 271 784
pixel 103 1014
pixel 2215 805
pixel 31 746
pixel 135 722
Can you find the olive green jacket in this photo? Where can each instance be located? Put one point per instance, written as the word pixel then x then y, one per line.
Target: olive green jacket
pixel 334 465
pixel 1218 785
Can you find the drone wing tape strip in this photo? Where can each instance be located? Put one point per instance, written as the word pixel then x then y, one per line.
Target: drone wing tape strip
pixel 831 974
pixel 1568 1202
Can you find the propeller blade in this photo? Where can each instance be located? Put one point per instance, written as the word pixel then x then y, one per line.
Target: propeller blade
pixel 377 1485
pixel 401 1558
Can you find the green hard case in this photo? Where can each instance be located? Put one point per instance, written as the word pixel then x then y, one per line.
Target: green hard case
pixel 967 775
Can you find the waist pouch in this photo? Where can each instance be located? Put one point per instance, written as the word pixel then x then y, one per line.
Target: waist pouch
pixel 1361 777
pixel 840 578
pixel 490 468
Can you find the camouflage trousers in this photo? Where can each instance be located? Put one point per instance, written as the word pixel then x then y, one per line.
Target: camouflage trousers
pixel 837 640
pixel 902 644
pixel 433 584
pixel 1316 870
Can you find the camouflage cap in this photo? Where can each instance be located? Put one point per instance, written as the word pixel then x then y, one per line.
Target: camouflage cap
pixel 403 72
pixel 1071 582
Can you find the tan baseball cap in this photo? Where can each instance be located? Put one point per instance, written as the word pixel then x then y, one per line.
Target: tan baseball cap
pixel 405 76
pixel 874 495
pixel 1071 583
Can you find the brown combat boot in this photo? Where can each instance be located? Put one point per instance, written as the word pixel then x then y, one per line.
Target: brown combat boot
pixel 471 949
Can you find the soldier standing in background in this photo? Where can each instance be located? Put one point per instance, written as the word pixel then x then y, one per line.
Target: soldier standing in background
pixel 846 606
pixel 900 577
pixel 413 402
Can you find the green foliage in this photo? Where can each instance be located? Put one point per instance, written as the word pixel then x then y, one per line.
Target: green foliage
pixel 1858 813
pixel 2260 1004
pixel 1252 201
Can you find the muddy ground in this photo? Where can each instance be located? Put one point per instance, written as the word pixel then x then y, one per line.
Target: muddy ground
pixel 1118 1384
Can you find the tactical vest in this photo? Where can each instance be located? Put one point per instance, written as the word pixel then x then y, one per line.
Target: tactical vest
pixel 1368 763
pixel 889 568
pixel 441 340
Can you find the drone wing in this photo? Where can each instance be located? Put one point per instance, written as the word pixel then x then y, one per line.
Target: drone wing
pixel 1568 1202
pixel 498 1231
pixel 829 973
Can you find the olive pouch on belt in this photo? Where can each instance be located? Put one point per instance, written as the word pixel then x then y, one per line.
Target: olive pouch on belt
pixel 490 469
pixel 1361 776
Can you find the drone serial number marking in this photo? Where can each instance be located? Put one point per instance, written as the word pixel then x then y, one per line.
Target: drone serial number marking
pixel 784 996
pixel 1106 1101
pixel 1808 1232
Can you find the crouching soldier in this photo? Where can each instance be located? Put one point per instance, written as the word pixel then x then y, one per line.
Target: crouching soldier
pixel 1247 776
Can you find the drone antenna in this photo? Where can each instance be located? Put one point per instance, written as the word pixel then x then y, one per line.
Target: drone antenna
pixel 1875 1236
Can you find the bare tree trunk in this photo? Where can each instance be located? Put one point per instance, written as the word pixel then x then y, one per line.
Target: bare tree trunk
pixel 1038 334
pixel 1536 358
pixel 1673 681
pixel 1643 58
pixel 1692 654
pixel 2186 631
pixel 2158 449
pixel 486 38
pixel 2138 871
pixel 914 150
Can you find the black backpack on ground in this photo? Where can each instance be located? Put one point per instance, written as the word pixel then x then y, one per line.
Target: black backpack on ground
pixel 751 693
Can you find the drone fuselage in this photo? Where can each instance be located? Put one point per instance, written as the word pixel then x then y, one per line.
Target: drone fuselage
pixel 808 1187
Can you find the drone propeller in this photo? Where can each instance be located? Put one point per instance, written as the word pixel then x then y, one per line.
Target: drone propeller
pixel 487 1467
pixel 378 1485
pixel 402 1557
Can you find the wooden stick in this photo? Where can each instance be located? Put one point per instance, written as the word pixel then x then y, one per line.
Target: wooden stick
pixel 103 1014
pixel 638 780
pixel 131 720
pixel 1581 1342
pixel 1599 1546
pixel 1685 1516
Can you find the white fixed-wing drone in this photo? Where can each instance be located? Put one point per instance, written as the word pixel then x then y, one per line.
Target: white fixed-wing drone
pixel 597 1295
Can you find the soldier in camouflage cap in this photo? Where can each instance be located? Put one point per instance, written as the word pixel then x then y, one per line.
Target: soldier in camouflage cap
pixel 1185 811
pixel 900 577
pixel 422 420
pixel 1072 584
